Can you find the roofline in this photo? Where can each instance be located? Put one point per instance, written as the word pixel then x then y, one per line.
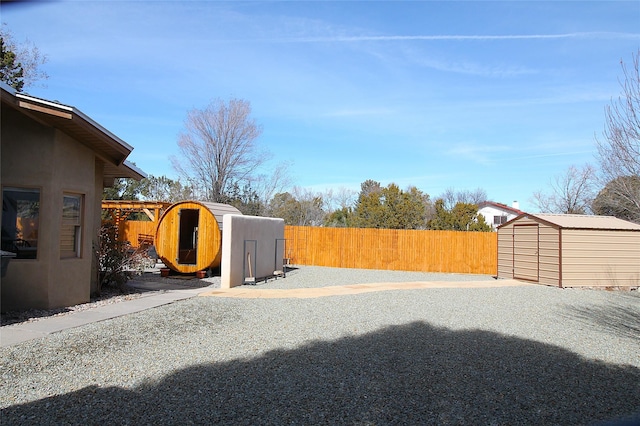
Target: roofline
pixel 500 205
pixel 76 112
pixel 556 225
pixel 135 169
pixel 8 88
pixel 107 146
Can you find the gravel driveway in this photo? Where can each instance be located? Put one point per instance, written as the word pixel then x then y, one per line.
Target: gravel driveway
pixel 512 355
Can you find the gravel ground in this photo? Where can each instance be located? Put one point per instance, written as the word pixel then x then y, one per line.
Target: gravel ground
pixel 500 356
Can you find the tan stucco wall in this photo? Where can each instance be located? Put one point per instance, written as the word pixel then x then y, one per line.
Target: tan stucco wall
pixel 238 229
pixel 97 220
pixel 36 156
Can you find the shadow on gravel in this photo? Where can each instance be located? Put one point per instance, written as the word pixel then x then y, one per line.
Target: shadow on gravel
pixel 618 319
pixel 410 374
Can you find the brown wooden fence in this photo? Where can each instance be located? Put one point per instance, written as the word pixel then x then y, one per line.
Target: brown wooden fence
pixel 137 232
pixel 403 250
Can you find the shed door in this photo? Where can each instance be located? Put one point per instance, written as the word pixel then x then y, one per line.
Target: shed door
pixel 525 252
pixel 188 238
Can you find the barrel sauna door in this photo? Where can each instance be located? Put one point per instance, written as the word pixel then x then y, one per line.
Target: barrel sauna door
pixel 188 238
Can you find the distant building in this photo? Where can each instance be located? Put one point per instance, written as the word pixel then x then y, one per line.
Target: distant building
pixel 496 214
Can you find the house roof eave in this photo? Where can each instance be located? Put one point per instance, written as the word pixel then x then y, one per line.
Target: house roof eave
pixel 125 170
pixel 72 121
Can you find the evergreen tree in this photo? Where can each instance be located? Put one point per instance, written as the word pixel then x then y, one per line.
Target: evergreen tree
pixel 341 218
pixel 11 71
pixel 390 207
pixel 462 217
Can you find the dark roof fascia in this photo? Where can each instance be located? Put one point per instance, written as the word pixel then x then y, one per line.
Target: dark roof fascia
pixel 529 215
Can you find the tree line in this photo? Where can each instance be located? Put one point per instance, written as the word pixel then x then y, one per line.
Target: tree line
pixel 374 206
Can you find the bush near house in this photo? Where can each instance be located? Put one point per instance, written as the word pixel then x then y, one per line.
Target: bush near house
pixel 118 261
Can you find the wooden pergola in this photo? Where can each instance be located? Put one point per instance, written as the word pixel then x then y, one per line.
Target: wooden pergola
pixel 120 210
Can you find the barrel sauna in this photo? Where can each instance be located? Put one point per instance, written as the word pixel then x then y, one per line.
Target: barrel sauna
pixel 189 235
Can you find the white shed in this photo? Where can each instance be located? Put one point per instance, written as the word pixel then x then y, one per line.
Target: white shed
pixel 570 250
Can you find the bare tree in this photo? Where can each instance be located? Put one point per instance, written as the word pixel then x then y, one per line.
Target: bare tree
pixel 219 147
pixel 300 207
pixel 609 202
pixel 451 197
pixel 27 56
pixel 571 192
pixel 311 206
pixel 267 185
pixel 340 198
pixel 619 148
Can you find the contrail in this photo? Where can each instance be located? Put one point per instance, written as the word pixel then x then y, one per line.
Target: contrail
pixel 457 37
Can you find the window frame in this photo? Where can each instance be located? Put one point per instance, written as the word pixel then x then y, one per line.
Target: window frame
pixel 72 218
pixel 500 220
pixel 28 249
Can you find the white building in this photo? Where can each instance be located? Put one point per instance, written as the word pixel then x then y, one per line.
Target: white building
pixel 495 214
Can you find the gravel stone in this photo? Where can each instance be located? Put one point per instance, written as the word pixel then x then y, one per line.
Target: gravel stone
pixel 490 356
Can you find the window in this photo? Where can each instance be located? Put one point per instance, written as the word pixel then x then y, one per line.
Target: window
pixel 20 218
pixel 71 230
pixel 499 220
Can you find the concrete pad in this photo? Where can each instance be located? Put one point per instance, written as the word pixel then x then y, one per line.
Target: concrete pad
pixel 10 335
pixel 18 333
pixel 306 293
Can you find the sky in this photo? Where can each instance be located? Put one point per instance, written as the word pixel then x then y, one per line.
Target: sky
pixel 501 96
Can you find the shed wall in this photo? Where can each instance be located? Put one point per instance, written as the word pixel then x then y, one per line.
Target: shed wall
pixel 549 259
pixel 505 252
pixel 600 258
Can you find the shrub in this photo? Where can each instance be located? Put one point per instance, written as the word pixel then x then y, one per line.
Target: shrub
pixel 117 260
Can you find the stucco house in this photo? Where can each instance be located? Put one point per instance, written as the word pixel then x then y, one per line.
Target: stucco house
pixel 55 162
pixel 496 214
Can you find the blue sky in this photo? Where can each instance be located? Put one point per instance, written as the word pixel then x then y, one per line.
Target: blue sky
pixel 494 95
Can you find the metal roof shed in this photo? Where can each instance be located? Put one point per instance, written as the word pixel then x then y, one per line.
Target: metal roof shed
pixel 570 250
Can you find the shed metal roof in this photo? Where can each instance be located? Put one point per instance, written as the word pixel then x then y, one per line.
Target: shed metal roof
pixel 575 221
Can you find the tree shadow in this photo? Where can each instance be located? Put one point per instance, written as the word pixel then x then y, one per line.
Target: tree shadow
pixel 408 374
pixel 617 318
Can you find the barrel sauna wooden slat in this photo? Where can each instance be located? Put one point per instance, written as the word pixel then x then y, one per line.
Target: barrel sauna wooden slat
pixel 189 235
